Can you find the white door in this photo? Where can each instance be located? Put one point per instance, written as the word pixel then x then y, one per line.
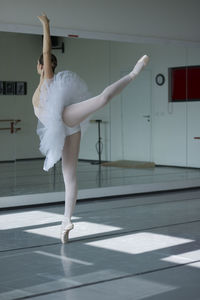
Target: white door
pixel 193 135
pixel 136 118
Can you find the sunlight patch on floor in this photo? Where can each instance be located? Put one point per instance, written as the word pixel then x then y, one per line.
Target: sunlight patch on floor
pixel 185 258
pixel 81 229
pixel 139 242
pixel 29 218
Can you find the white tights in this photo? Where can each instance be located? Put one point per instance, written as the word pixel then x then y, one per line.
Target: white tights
pixel 69 164
pixel 72 116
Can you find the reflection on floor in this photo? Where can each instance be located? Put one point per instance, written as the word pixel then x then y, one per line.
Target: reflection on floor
pixel 141 247
pixel 27 177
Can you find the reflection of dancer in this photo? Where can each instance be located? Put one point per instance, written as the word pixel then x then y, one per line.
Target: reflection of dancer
pixel 62 106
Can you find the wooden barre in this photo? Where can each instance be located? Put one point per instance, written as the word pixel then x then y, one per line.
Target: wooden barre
pixel 12 129
pixel 11 120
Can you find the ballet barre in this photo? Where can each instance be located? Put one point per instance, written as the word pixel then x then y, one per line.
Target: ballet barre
pixel 12 124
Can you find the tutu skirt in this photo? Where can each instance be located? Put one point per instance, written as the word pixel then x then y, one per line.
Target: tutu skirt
pixel 63 89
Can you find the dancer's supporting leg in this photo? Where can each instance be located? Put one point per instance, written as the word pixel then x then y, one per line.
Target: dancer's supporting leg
pixel 76 113
pixel 69 165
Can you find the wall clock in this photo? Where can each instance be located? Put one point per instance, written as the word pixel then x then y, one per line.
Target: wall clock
pixel 160 79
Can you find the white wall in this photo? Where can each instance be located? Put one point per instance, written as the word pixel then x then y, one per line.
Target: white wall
pixel 18 54
pixel 170 19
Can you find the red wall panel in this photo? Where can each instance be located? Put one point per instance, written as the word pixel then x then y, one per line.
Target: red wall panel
pixel 185 83
pixel 193 83
pixel 178 84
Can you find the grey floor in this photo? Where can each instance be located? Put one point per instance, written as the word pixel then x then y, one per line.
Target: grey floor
pixel 139 247
pixel 27 177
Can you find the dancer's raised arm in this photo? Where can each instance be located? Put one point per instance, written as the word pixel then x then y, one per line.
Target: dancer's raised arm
pixel 47 66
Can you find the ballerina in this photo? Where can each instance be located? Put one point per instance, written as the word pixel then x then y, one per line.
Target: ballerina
pixel 63 105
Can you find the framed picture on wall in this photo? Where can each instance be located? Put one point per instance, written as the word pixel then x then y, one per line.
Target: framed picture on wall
pixel 20 88
pixel 9 88
pixel 1 87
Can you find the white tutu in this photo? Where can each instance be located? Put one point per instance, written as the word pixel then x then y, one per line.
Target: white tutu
pixel 63 89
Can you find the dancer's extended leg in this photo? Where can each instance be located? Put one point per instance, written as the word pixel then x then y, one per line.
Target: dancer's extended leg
pixel 69 164
pixel 76 113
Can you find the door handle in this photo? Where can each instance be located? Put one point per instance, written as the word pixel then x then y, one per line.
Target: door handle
pixel 147 117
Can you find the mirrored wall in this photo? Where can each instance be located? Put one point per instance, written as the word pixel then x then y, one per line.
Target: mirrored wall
pixel 139 125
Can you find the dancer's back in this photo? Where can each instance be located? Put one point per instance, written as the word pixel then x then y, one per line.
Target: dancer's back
pixel 36 98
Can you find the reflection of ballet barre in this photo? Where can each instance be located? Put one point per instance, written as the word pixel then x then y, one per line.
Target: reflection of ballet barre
pixel 96 121
pixel 11 128
pixel 197 137
pixel 99 144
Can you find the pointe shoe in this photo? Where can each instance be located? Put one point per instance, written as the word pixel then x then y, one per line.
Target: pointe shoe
pixel 142 62
pixel 65 229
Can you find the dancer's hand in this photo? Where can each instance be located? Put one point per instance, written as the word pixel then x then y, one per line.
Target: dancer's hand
pixel 43 19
